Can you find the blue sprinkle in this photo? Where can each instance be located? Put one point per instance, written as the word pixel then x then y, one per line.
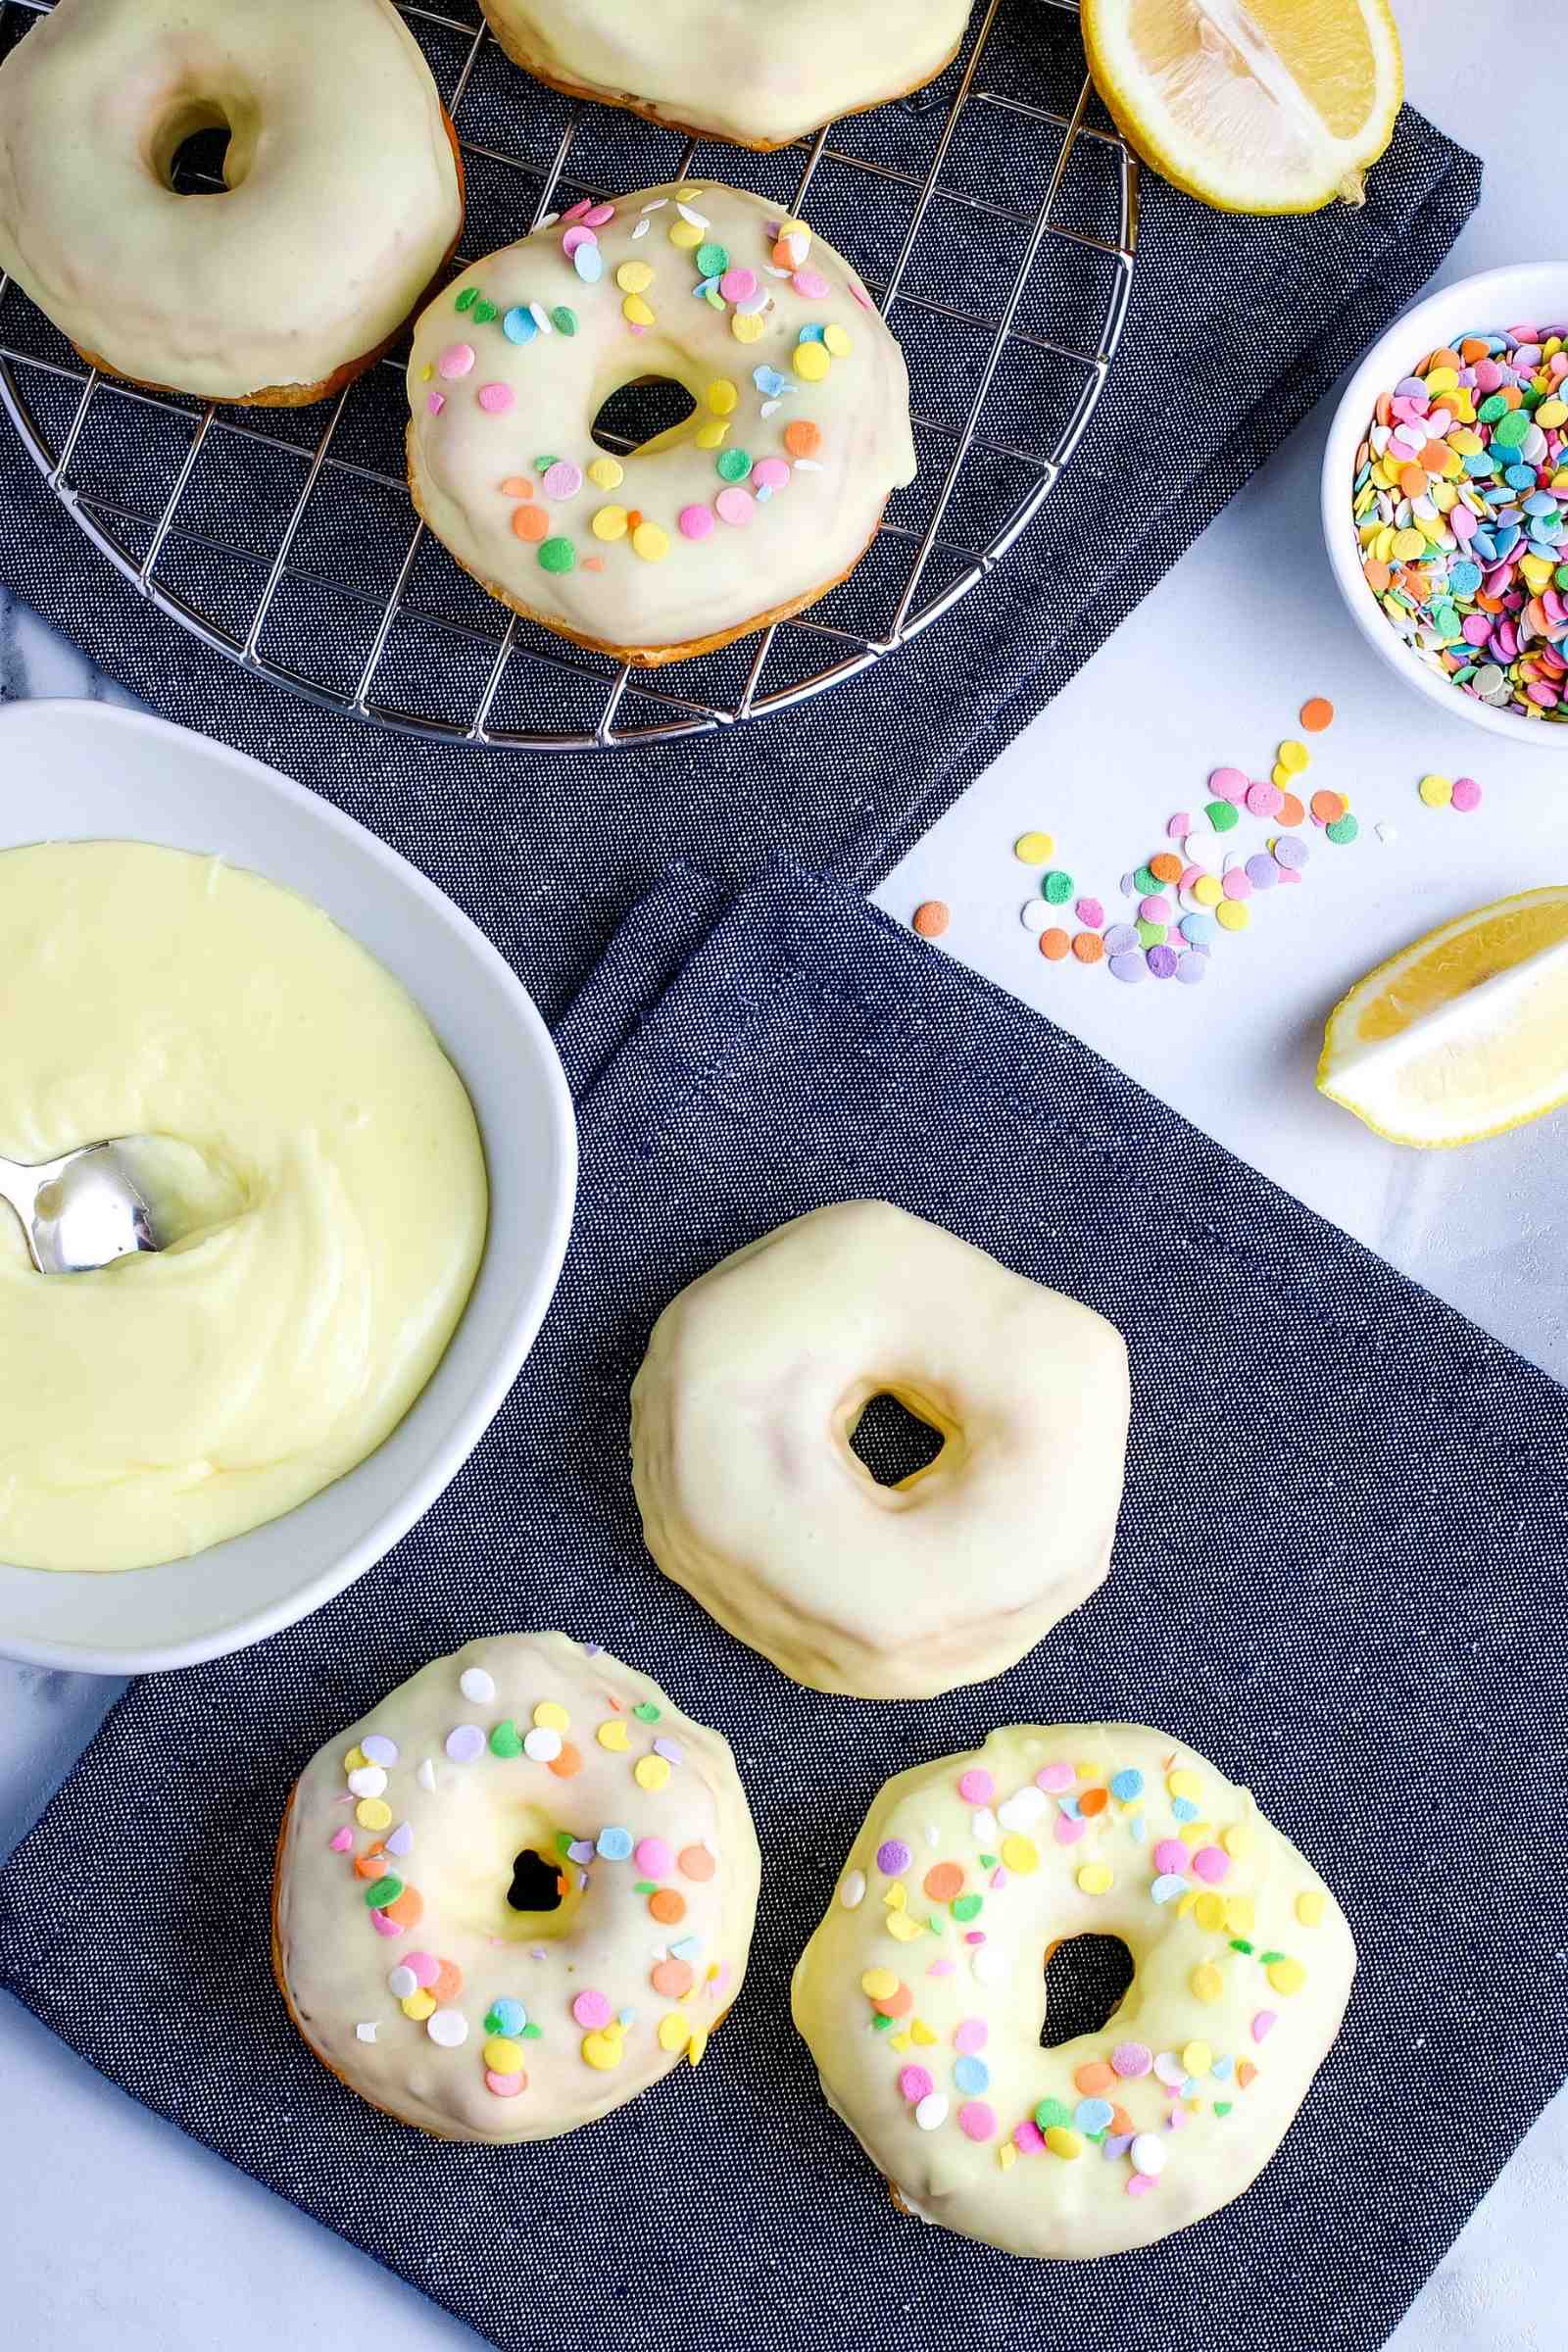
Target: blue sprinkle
pixel 589 263
pixel 770 382
pixel 971 2074
pixel 1184 1808
pixel 520 325
pixel 1199 929
pixel 1127 1785
pixel 1464 578
pixel 1138 1827
pixel 510 2016
pixel 614 1844
pixel 1168 1887
pixel 1222 2068
pixel 1069 1804
pixel 811 333
pixel 1485 545
pixel 688 1948
pixel 706 285
pixel 1090 2114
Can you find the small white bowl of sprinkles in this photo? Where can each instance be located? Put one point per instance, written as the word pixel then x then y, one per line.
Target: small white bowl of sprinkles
pixel 1445 499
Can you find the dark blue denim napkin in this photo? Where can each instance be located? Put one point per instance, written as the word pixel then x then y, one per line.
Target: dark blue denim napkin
pixel 1236 328
pixel 1342 1572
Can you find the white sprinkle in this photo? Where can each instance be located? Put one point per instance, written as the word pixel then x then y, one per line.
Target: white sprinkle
pixel 1170 2069
pixel 641 229
pixel 656 206
pixel 932 2110
pixel 425 1776
pixel 366 2032
pixel 807 465
pixel 542 1744
pixel 689 213
pixel 368 1780
pixel 1036 915
pixel 853 1891
pixel 989 1964
pixel 476 1685
pixel 1025 1806
pixel 769 406
pixel 774 270
pixel 983 1826
pixel 1148 2153
pixel 548 221
pixel 541 317
pixel 933 1836
pixel 448 2026
pixel 1201 848
pixel 402 1984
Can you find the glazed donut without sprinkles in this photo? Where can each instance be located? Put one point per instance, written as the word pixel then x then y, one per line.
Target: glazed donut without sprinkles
pixel 751 509
pixel 343 202
pixel 751 1496
pixel 516 1895
pixel 921 1993
pixel 760 73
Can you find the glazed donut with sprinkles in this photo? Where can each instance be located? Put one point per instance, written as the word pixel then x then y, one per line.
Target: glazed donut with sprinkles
pixel 756 504
pixel 516 1895
pixel 921 1993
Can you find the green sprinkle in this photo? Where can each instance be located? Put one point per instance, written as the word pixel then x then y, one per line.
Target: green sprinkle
pixel 385 1891
pixel 532 2032
pixel 1239 1943
pixel 712 260
pixel 558 555
pixel 1150 935
pixel 1223 2106
pixel 881 2023
pixel 1560 576
pixel 543 465
pixel 467 299
pixel 646 1712
pixel 1492 409
pixel 505 1740
pixel 733 464
pixel 1268 1958
pixel 483 311
pixel 564 1841
pixel 646 1886
pixel 934 1923
pixel 1223 815
pixel 1512 429
pixel 967 1907
pixel 1149 883
pixel 1057 887
pixel 989 1861
pixel 1343 828
pixel 1051 2112
pixel 563 322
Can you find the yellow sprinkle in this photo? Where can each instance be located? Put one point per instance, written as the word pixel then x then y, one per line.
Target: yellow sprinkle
pixel 1196 1834
pixel 1095 1878
pixel 1208 1985
pixel 1280 777
pixel 1207 890
pixel 721 395
pixel 1062 2142
pixel 674 2032
pixel 811 362
pixel 1442 379
pixel 653 545
pixel 636 311
pixel 634 278
pixel 1552 412
pixel 1198 2057
pixel 1437 791
pixel 1232 914
pixel 1309 1903
pixel 712 435
pixel 1295 756
pixel 898 2042
pixel 685 234
pixel 895 1895
pixel 838 340
pixel 648 1771
pixel 418 2005
pixel 604 2050
pixel 1020 1854
pixel 1034 849
pixel 372 1813
pixel 1183 1782
pixel 1241 1914
pixel 609 522
pixel 354 1759
pixel 1188 1903
pixel 1209 1911
pixel 425 373
pixel 605 474
pixel 1237 1840
pixel 614 1735
pixel 921 2031
pixel 697 2045
pixel 793 228
pixel 1006 2155
pixel 879 1984
pixel 1287 1976
pixel 1408 544
pixel 903 1928
pixel 748 326
pixel 502 2055
pixel 1536 570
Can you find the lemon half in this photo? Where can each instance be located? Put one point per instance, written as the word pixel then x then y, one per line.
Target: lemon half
pixel 1253 106
pixel 1463 1034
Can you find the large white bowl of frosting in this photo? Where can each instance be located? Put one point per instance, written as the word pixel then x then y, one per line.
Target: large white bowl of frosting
pixel 361 1150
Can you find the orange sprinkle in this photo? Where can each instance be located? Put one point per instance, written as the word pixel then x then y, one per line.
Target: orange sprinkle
pixel 1246 2072
pixel 1327 807
pixel 666 1907
pixel 1054 944
pixel 448 1983
pixel 1167 868
pixel 1094 2078
pixel 1088 947
pixel 1413 481
pixel 516 485
pixel 802 438
pixel 1444 358
pixel 530 523
pixel 896 2004
pixel 943 1880
pixel 1291 810
pixel 1471 350
pixel 567 1763
pixel 672 1978
pixel 695 1862
pixel 593 562
pixel 368 1864
pixel 409 1909
pixel 1121 2120
pixel 1317 713
pixel 932 918
pixel 1385 408
pixel 1092 1801
pixel 1378 575
pixel 634 515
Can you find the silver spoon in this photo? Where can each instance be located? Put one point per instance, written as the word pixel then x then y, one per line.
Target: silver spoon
pixel 81 1210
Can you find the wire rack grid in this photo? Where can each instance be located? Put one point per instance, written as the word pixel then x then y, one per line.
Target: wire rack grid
pixel 995 227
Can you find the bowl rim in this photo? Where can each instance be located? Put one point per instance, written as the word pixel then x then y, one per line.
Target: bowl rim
pixel 527 1313
pixel 1354 408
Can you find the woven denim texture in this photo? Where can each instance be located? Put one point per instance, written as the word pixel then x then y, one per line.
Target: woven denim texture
pixel 1342 1572
pixel 1236 328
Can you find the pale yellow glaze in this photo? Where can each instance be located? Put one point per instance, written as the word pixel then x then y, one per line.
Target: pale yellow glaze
pixel 758 72
pixel 751 1498
pixel 165 1402
pixel 474 464
pixel 1244 1963
pixel 342 200
pixel 455 1826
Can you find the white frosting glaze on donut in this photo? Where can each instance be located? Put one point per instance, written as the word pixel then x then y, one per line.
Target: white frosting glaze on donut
pixel 921 1993
pixel 343 197
pixel 758 72
pixel 518 1743
pixel 763 497
pixel 751 1497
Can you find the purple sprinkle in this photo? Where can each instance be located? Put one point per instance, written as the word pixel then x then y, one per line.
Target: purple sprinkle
pixel 1192 965
pixel 1116 2143
pixel 893 1857
pixel 581 1850
pixel 1288 852
pixel 1129 966
pixel 379 1749
pixel 1162 961
pixel 465 1743
pixel 401 1841
pixel 1121 939
pixel 1261 870
pixel 671 1750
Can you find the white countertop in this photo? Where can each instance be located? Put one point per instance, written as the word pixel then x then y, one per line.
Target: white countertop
pixel 118 2226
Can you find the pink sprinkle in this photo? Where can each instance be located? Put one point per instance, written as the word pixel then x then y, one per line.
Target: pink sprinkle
pixel 695 522
pixel 738 284
pixel 1028 2138
pixel 770 473
pixel 496 399
pixel 425 1966
pixel 577 210
pixel 1176 2120
pixel 735 506
pixel 653 1858
pixel 455 361
pixel 1069 1828
pixel 1091 912
pixel 1178 827
pixel 998 1877
pixel 1238 883
pixel 1154 910
pixel 562 480
pixel 578 236
pixel 436 403
pixel 1466 793
pixel 1211 1862
pixel 1265 2022
pixel 591 2009
pixel 1192 874
pixel 970 2034
pixel 1054 1778
pixel 1287 873
pixel 341 1840
pixel 811 283
pixel 1229 783
pixel 384 1926
pixel 1265 800
pixel 977 2119
pixel 1462 524
pixel 1170 1854
pixel 505 2086
pixel 974 1936
pixel 860 295
pixel 941 1967
pixel 975 1787
pixel 597 215
pixel 1139 2184
pixel 915 2084
pixel 1132 2058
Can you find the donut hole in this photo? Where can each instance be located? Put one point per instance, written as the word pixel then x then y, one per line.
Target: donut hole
pixel 195 153
pixel 1087 1978
pixel 892 1442
pixel 639 412
pixel 535 1882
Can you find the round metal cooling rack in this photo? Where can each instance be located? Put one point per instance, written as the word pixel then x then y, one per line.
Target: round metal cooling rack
pixel 993 216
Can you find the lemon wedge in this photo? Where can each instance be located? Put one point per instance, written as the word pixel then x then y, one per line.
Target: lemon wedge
pixel 1253 106
pixel 1462 1035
